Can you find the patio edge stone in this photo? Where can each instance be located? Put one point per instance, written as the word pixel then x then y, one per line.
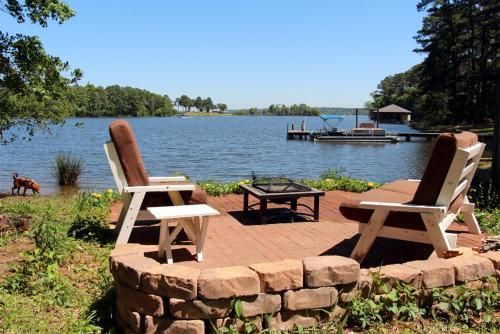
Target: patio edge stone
pixel 279 276
pixel 228 282
pixel 331 270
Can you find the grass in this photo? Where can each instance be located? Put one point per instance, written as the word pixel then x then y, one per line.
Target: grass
pixel 57 283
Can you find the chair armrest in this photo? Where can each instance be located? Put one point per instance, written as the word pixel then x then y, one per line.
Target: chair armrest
pixel 402 207
pixel 413 180
pixel 160 188
pixel 159 179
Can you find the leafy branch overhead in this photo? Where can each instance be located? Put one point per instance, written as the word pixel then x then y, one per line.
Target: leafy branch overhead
pixel 33 83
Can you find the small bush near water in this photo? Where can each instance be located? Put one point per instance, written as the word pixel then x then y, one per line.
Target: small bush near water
pixel 67 169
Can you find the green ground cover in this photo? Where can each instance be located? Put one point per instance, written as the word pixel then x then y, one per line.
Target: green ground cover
pixel 329 180
pixel 54 274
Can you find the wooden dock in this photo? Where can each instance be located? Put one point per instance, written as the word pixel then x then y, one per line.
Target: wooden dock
pixel 301 134
pixel 428 136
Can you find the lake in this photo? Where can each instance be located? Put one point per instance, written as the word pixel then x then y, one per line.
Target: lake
pixel 217 148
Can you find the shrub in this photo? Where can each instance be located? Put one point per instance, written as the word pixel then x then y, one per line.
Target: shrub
pixel 214 188
pixel 333 179
pixel 67 169
pixel 92 212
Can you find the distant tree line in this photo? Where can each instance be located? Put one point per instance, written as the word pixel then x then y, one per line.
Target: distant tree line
pixel 116 101
pixel 200 104
pixel 94 101
pixel 281 110
pixel 461 41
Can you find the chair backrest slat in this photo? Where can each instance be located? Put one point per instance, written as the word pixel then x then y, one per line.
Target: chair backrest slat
pixel 467 170
pixel 115 165
pixel 461 187
pixel 460 173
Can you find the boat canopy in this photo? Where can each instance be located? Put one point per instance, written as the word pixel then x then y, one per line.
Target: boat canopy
pixel 327 117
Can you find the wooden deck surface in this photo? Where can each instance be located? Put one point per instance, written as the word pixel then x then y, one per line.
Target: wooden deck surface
pixel 236 237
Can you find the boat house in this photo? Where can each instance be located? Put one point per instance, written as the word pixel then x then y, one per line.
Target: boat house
pixel 391 114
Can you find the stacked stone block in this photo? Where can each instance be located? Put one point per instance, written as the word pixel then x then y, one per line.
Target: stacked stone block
pixel 160 298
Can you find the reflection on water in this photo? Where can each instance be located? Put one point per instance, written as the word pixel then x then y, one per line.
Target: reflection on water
pixel 218 148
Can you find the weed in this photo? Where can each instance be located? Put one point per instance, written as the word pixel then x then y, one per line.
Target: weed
pixel 68 168
pixel 468 306
pixel 485 196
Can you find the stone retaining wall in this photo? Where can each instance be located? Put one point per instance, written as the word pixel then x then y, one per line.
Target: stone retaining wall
pixel 160 298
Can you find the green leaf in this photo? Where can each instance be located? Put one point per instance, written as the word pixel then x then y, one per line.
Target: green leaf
pixel 238 308
pixel 477 303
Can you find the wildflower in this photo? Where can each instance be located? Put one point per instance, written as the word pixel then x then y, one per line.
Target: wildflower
pixel 109 191
pixel 370 184
pixel 328 180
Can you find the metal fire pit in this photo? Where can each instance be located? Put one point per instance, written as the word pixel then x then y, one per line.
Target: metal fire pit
pixel 278 184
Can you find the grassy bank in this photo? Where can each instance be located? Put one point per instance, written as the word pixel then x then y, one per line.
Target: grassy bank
pixel 54 273
pixel 201 114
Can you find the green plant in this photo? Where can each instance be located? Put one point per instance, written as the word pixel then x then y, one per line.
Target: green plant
pixel 214 188
pixel 396 303
pixel 92 211
pixel 39 274
pixel 485 196
pixel 333 179
pixel 468 306
pixel 68 168
pixel 489 220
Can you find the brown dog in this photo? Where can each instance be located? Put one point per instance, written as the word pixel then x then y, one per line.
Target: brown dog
pixel 24 183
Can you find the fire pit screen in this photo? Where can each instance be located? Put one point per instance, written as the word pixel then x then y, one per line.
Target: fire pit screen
pixel 278 184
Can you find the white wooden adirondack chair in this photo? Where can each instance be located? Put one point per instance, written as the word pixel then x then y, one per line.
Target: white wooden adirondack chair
pixel 133 196
pixel 395 210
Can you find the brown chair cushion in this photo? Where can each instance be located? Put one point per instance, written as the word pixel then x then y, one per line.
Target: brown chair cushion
pixel 439 163
pixel 128 152
pixel 424 192
pixel 399 191
pixel 130 157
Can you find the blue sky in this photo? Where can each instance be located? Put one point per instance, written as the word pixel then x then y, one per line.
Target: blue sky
pixel 245 53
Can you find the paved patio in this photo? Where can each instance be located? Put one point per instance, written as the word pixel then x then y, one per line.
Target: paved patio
pixel 236 238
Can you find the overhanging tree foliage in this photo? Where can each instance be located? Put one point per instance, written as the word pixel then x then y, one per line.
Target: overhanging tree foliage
pixel 33 83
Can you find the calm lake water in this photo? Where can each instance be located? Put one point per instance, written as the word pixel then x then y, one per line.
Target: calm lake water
pixel 218 148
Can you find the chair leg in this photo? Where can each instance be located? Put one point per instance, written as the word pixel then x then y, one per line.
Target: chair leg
pixel 469 218
pixel 164 237
pixel 436 233
pixel 126 198
pixel 368 235
pixel 130 218
pixel 190 228
pixel 201 233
